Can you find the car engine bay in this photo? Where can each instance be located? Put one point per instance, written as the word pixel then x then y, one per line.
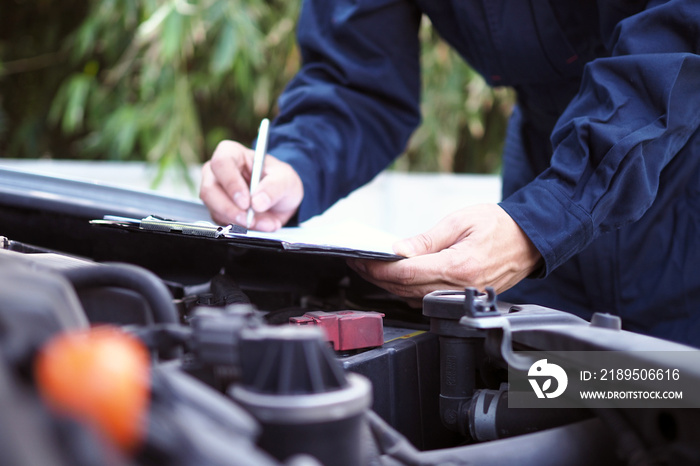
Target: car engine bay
pixel 258 356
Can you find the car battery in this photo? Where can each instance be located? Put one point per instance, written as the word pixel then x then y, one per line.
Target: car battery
pixel 405 376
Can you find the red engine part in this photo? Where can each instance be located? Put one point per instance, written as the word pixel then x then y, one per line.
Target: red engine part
pixel 347 330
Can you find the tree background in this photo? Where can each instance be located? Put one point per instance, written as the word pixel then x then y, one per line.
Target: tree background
pixel 165 80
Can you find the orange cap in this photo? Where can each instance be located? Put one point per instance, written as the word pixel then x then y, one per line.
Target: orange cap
pixel 99 376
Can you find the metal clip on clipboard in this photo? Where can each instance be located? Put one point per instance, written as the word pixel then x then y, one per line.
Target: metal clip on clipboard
pixel 155 223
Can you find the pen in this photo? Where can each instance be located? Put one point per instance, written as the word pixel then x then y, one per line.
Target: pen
pixel 258 162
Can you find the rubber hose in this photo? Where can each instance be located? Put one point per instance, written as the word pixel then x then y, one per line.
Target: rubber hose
pixel 131 277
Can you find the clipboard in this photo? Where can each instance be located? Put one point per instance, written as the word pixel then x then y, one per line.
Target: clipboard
pixel 237 235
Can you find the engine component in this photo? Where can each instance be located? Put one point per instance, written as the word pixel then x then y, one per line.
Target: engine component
pixel 347 330
pixel 458 348
pixel 216 334
pixel 191 424
pixel 33 307
pixel 482 414
pixel 405 376
pixel 578 444
pixel 130 277
pixel 490 418
pixel 101 376
pixel 292 383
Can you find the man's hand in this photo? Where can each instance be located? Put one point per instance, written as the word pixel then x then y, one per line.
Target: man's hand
pixel 226 193
pixel 478 246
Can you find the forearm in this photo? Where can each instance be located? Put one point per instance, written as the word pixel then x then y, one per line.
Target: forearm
pixel 635 111
pixel 353 105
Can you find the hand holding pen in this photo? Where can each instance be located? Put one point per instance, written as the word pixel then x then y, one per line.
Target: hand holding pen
pixel 262 196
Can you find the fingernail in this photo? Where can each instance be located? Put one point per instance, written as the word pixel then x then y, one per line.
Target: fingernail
pixel 241 218
pixel 261 202
pixel 240 200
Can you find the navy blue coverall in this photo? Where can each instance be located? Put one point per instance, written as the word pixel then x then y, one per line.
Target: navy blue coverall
pixel 602 158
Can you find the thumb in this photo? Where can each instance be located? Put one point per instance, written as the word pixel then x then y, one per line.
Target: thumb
pixel 440 237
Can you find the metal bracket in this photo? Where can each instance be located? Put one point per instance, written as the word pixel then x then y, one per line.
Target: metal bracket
pixel 481 312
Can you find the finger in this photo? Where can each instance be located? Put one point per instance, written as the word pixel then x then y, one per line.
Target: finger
pixel 222 209
pixel 419 270
pixel 261 200
pixel 420 275
pixel 444 234
pixel 261 221
pixel 231 165
pixel 399 277
pixel 279 189
pixel 446 270
pixel 266 223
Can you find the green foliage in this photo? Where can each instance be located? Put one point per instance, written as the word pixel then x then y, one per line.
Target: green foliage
pixel 160 80
pixel 161 75
pixel 32 67
pixel 166 80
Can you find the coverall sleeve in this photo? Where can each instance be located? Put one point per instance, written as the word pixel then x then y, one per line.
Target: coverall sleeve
pixel 352 107
pixel 634 112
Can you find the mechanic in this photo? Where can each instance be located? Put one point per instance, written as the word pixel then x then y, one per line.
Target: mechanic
pixel 601 166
